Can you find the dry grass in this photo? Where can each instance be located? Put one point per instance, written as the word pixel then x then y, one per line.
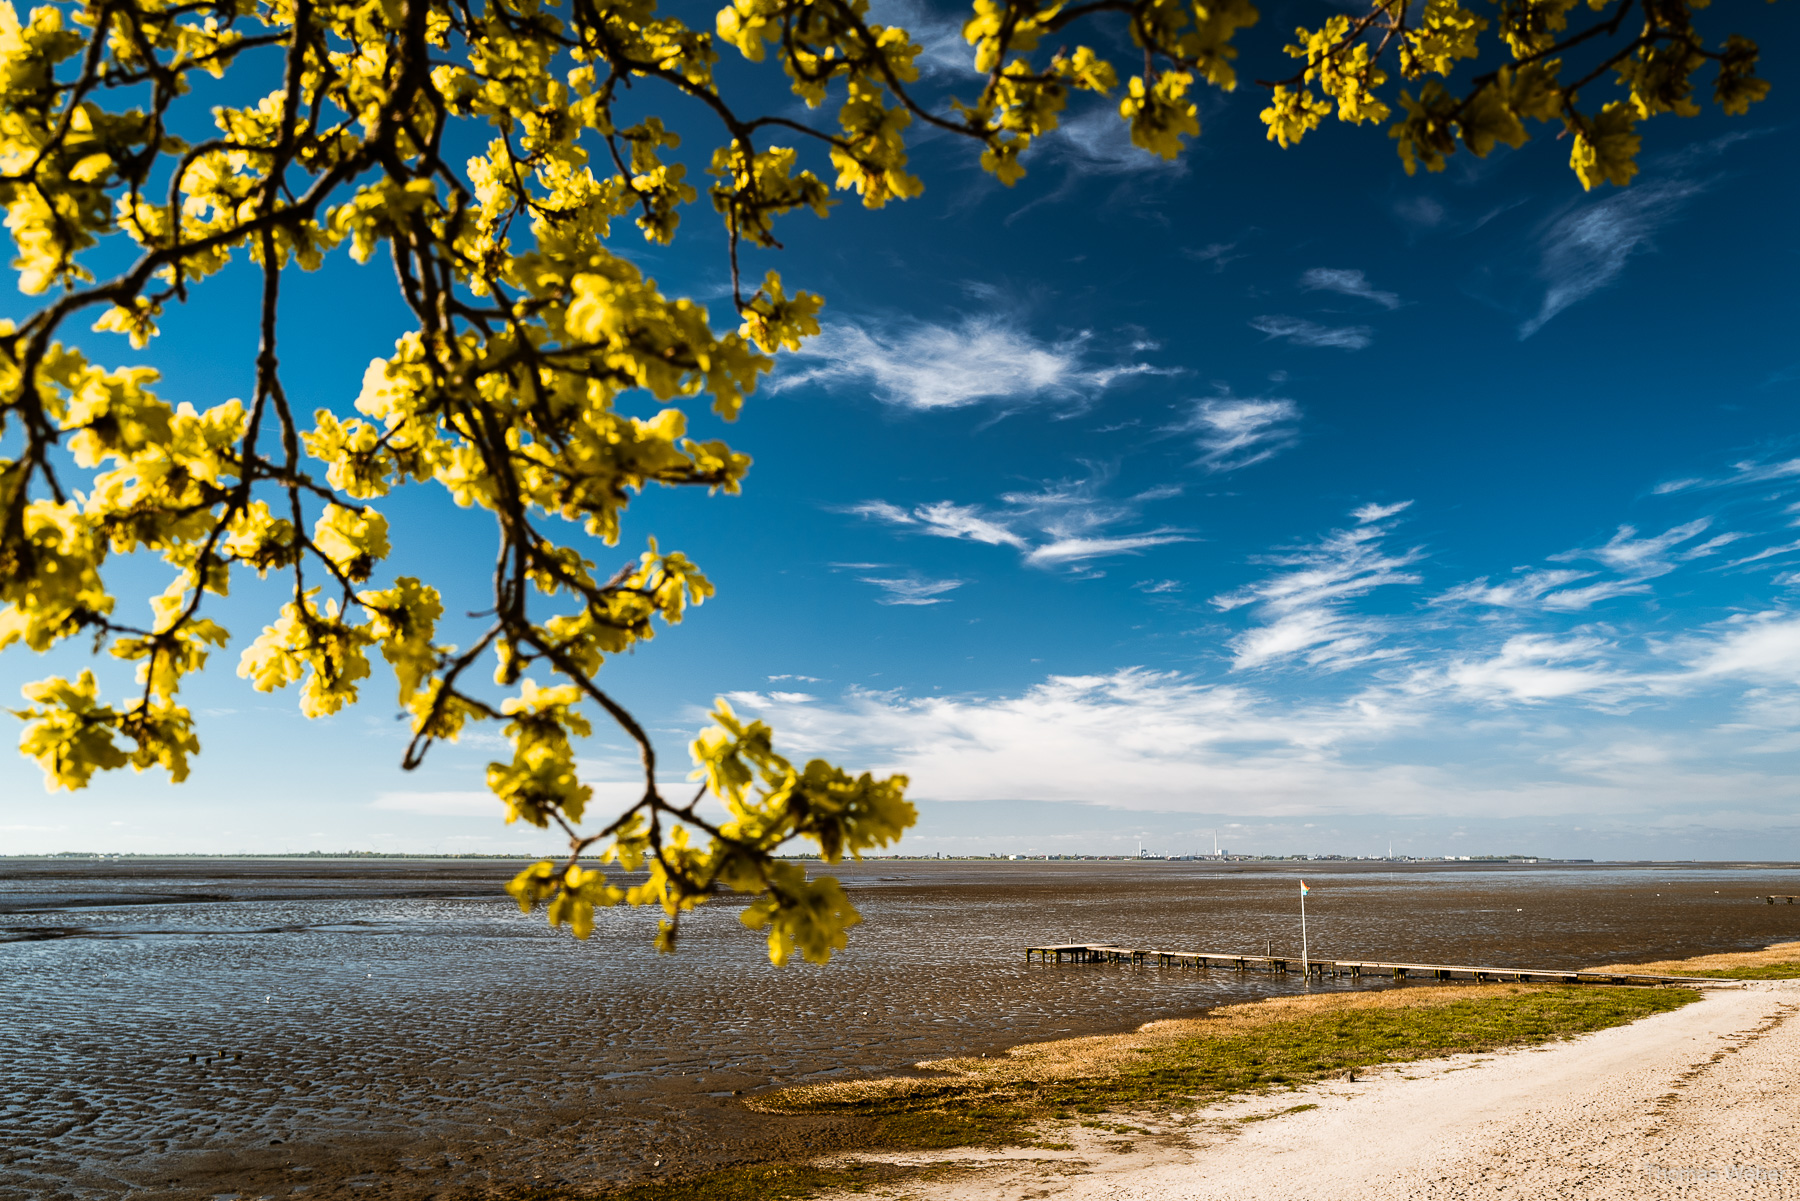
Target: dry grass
pixel 1769 962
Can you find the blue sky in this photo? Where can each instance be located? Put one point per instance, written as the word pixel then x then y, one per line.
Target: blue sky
pixel 1269 493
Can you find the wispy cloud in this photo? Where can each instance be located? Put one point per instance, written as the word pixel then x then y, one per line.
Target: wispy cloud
pixel 1075 518
pixel 923 366
pixel 1700 152
pixel 1596 667
pixel 1748 471
pixel 1347 282
pixel 1531 668
pixel 1422 211
pixel 943 519
pixel 1234 432
pixel 1531 590
pixel 1301 611
pixel 1218 254
pixel 1768 552
pixel 1626 552
pixel 1587 249
pixel 1634 560
pixel 1096 141
pixel 939 35
pixel 1310 333
pixel 1065 522
pixel 1373 512
pixel 1078 549
pixel 912 590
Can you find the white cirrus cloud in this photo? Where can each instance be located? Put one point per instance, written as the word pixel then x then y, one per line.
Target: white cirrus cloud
pixel 1767 552
pixel 924 366
pixel 1063 523
pixel 912 590
pixel 943 519
pixel 944 50
pixel 1598 669
pixel 1096 141
pixel 1373 511
pixel 1627 553
pixel 1347 282
pixel 1525 591
pixel 1749 471
pixel 1077 549
pixel 1076 521
pixel 1532 668
pixel 1217 254
pixel 1634 560
pixel 1422 211
pixel 1310 333
pixel 1587 249
pixel 1235 432
pixel 1301 611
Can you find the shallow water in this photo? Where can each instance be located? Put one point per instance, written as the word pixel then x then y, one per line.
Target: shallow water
pixel 396 1028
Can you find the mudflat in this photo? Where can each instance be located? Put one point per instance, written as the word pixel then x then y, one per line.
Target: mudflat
pixel 195 1027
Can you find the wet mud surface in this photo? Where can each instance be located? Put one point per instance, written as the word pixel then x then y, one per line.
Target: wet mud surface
pixel 396 1028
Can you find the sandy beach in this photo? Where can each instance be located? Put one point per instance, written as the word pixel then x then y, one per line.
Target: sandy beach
pixel 1703 1101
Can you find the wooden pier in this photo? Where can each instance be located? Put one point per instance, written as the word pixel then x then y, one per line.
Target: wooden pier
pixel 1281 964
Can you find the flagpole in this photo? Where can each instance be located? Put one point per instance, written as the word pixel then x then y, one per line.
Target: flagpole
pixel 1305 962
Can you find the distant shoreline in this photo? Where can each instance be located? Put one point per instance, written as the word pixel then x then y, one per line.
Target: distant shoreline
pixel 1324 863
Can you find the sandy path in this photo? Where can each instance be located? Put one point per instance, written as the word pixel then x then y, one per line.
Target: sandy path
pixel 1700 1102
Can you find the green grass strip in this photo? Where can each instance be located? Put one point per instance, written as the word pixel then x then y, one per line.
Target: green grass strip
pixel 1329 1043
pixel 1768 971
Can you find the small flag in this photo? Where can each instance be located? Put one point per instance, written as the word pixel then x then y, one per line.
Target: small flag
pixel 1303 888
